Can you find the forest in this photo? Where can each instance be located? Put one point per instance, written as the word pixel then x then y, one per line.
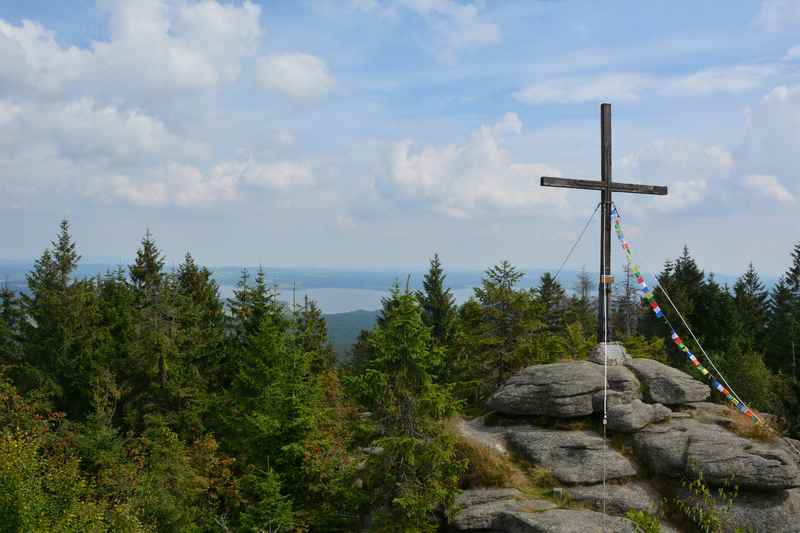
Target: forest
pixel 140 400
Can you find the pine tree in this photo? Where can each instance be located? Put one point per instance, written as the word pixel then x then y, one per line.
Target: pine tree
pixel 552 297
pixel 416 472
pixel 782 330
pixel 752 307
pixel 64 343
pixel 504 331
pixel 147 270
pixel 437 303
pixel 11 320
pixel 793 274
pixel 312 337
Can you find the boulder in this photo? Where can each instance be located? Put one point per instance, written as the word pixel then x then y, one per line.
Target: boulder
pixel 471 497
pixel 563 521
pixel 480 509
pixel 713 413
pixel 686 447
pixel 633 416
pixel 574 457
pixel 636 496
pixel 667 385
pixel 558 389
pixel 614 354
pixel 777 512
pixel 563 390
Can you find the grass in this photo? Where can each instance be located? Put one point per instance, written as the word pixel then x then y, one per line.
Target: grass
pixel 490 468
pixel 745 427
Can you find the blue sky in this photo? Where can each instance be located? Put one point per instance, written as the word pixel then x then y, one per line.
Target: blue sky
pixel 371 133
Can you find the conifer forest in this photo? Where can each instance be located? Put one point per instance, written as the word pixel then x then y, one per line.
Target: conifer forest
pixel 140 400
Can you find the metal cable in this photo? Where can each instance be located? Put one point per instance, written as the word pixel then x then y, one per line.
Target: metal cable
pixel 577 241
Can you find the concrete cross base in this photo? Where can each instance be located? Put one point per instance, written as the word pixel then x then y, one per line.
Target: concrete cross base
pixel 615 353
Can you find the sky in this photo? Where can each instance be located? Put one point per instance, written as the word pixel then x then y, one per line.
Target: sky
pixel 372 133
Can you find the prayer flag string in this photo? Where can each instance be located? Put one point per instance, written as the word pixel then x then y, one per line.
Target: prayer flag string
pixel 649 297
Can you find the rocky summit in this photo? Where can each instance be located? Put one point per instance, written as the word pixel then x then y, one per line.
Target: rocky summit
pixel 662 432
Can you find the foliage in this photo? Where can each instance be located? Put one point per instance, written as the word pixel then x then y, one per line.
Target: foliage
pixel 141 401
pixel 415 470
pixel 705 507
pixel 644 521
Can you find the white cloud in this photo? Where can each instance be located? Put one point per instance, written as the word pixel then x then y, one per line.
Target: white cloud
pixel 618 87
pixel 771 141
pixel 688 169
pixel 155 46
pixel 713 80
pixel 632 85
pixel 769 187
pixel 301 77
pixel 460 180
pixel 185 185
pixel 777 15
pixel 453 26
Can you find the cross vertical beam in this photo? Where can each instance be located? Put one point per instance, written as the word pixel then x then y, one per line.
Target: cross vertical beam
pixel 606 186
pixel 604 287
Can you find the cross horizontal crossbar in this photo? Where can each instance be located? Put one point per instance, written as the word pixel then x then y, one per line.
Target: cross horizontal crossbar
pixel 571 183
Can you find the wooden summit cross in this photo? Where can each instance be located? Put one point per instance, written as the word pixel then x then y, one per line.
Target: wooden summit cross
pixel 606 187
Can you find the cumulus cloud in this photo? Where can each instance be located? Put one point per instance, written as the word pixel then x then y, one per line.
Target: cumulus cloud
pixel 185 185
pixel 769 187
pixel 154 47
pixel 632 86
pixel 689 169
pixel 301 77
pixel 771 142
pixel 461 180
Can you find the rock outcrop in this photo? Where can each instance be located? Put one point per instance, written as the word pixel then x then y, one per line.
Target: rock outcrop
pixel 562 390
pixel 636 495
pixel 693 437
pixel 572 456
pixel 633 416
pixel 667 385
pixel 563 521
pixel 689 448
pixel 480 509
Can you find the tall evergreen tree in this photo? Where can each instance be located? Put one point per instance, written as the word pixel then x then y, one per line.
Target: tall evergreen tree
pixel 64 342
pixel 147 270
pixel 437 303
pixel 416 472
pixel 782 348
pixel 312 337
pixel 11 320
pixel 752 306
pixel 552 297
pixel 502 328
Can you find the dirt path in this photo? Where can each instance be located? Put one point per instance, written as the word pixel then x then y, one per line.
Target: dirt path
pixel 475 431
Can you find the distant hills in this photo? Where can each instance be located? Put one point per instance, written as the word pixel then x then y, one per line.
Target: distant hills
pixel 343 329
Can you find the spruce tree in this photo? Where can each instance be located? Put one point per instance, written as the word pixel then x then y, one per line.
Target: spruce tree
pixel 11 320
pixel 437 303
pixel 793 274
pixel 503 329
pixel 417 471
pixel 782 348
pixel 312 337
pixel 551 295
pixel 752 306
pixel 147 270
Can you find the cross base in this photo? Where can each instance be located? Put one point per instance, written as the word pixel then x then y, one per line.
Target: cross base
pixel 614 352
